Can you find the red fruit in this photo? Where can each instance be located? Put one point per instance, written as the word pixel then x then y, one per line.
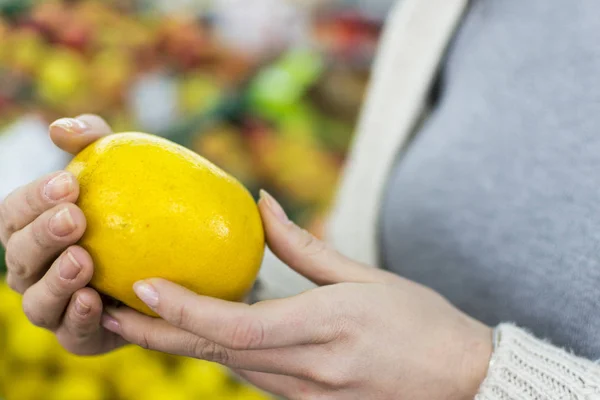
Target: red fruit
pixel 76 36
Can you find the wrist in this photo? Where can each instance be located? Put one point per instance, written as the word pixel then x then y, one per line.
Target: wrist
pixel 477 353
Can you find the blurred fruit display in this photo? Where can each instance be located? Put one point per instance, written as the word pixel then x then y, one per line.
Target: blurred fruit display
pixel 280 120
pixel 34 367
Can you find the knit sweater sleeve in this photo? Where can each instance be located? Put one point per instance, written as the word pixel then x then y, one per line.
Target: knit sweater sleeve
pixel 526 368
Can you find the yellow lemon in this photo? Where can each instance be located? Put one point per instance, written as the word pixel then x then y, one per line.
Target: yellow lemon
pixel 62 77
pixel 155 209
pixel 27 384
pixel 10 306
pixel 76 386
pixel 29 344
pixel 98 366
pixel 135 372
pixel 161 390
pixel 202 378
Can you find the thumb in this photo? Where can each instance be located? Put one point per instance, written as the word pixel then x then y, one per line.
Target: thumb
pixel 306 254
pixel 75 134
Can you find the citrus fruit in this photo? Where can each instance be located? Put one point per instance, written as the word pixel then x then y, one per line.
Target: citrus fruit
pixel 155 209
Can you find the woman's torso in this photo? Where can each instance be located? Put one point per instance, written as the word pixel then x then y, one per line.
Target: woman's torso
pixel 496 203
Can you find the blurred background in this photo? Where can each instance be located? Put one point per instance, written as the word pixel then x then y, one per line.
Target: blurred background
pixel 269 90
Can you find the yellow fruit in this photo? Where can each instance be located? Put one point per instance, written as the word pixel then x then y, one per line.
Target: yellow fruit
pixel 197 93
pixel 30 384
pixel 3 380
pixel 27 343
pixel 77 386
pixel 157 210
pixel 28 50
pixel 62 78
pixel 161 390
pixel 135 373
pixel 304 171
pixel 202 378
pixel 225 147
pixel 10 306
pixel 112 69
pixel 99 366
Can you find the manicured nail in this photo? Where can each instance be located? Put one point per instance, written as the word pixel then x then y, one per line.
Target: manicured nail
pixel 69 267
pixel 146 293
pixel 274 206
pixel 71 125
pixel 82 308
pixel 62 224
pixel 110 324
pixel 59 187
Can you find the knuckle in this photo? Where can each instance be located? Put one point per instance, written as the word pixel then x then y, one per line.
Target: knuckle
pixel 336 378
pixel 332 376
pixel 193 345
pixel 7 221
pixel 56 288
pixel 14 263
pixel 312 246
pixel 75 344
pixel 3 221
pixel 338 329
pixel 40 235
pixel 181 315
pixel 33 315
pixel 196 347
pixel 247 333
pixel 144 341
pixel 80 327
pixel 310 374
pixel 210 351
pixel 32 201
pixel 13 283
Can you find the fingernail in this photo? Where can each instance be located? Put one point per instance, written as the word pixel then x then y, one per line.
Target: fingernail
pixel 62 223
pixel 69 267
pixel 274 206
pixel 146 293
pixel 110 324
pixel 82 308
pixel 59 187
pixel 71 125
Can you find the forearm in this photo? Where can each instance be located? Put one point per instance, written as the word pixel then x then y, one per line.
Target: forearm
pixel 526 368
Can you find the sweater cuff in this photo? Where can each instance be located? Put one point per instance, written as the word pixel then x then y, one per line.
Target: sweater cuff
pixel 525 368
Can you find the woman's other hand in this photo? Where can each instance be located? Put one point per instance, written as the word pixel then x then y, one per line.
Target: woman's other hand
pixel 364 334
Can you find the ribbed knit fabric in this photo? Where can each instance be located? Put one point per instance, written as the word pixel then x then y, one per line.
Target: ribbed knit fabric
pixel 526 368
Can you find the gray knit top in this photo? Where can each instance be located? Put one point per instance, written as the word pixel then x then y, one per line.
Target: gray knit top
pixel 496 203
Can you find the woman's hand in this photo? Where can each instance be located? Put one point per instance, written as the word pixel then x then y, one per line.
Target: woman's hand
pixel 366 334
pixel 39 225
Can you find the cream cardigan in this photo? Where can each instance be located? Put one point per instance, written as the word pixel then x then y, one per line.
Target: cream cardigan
pixel 413 44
